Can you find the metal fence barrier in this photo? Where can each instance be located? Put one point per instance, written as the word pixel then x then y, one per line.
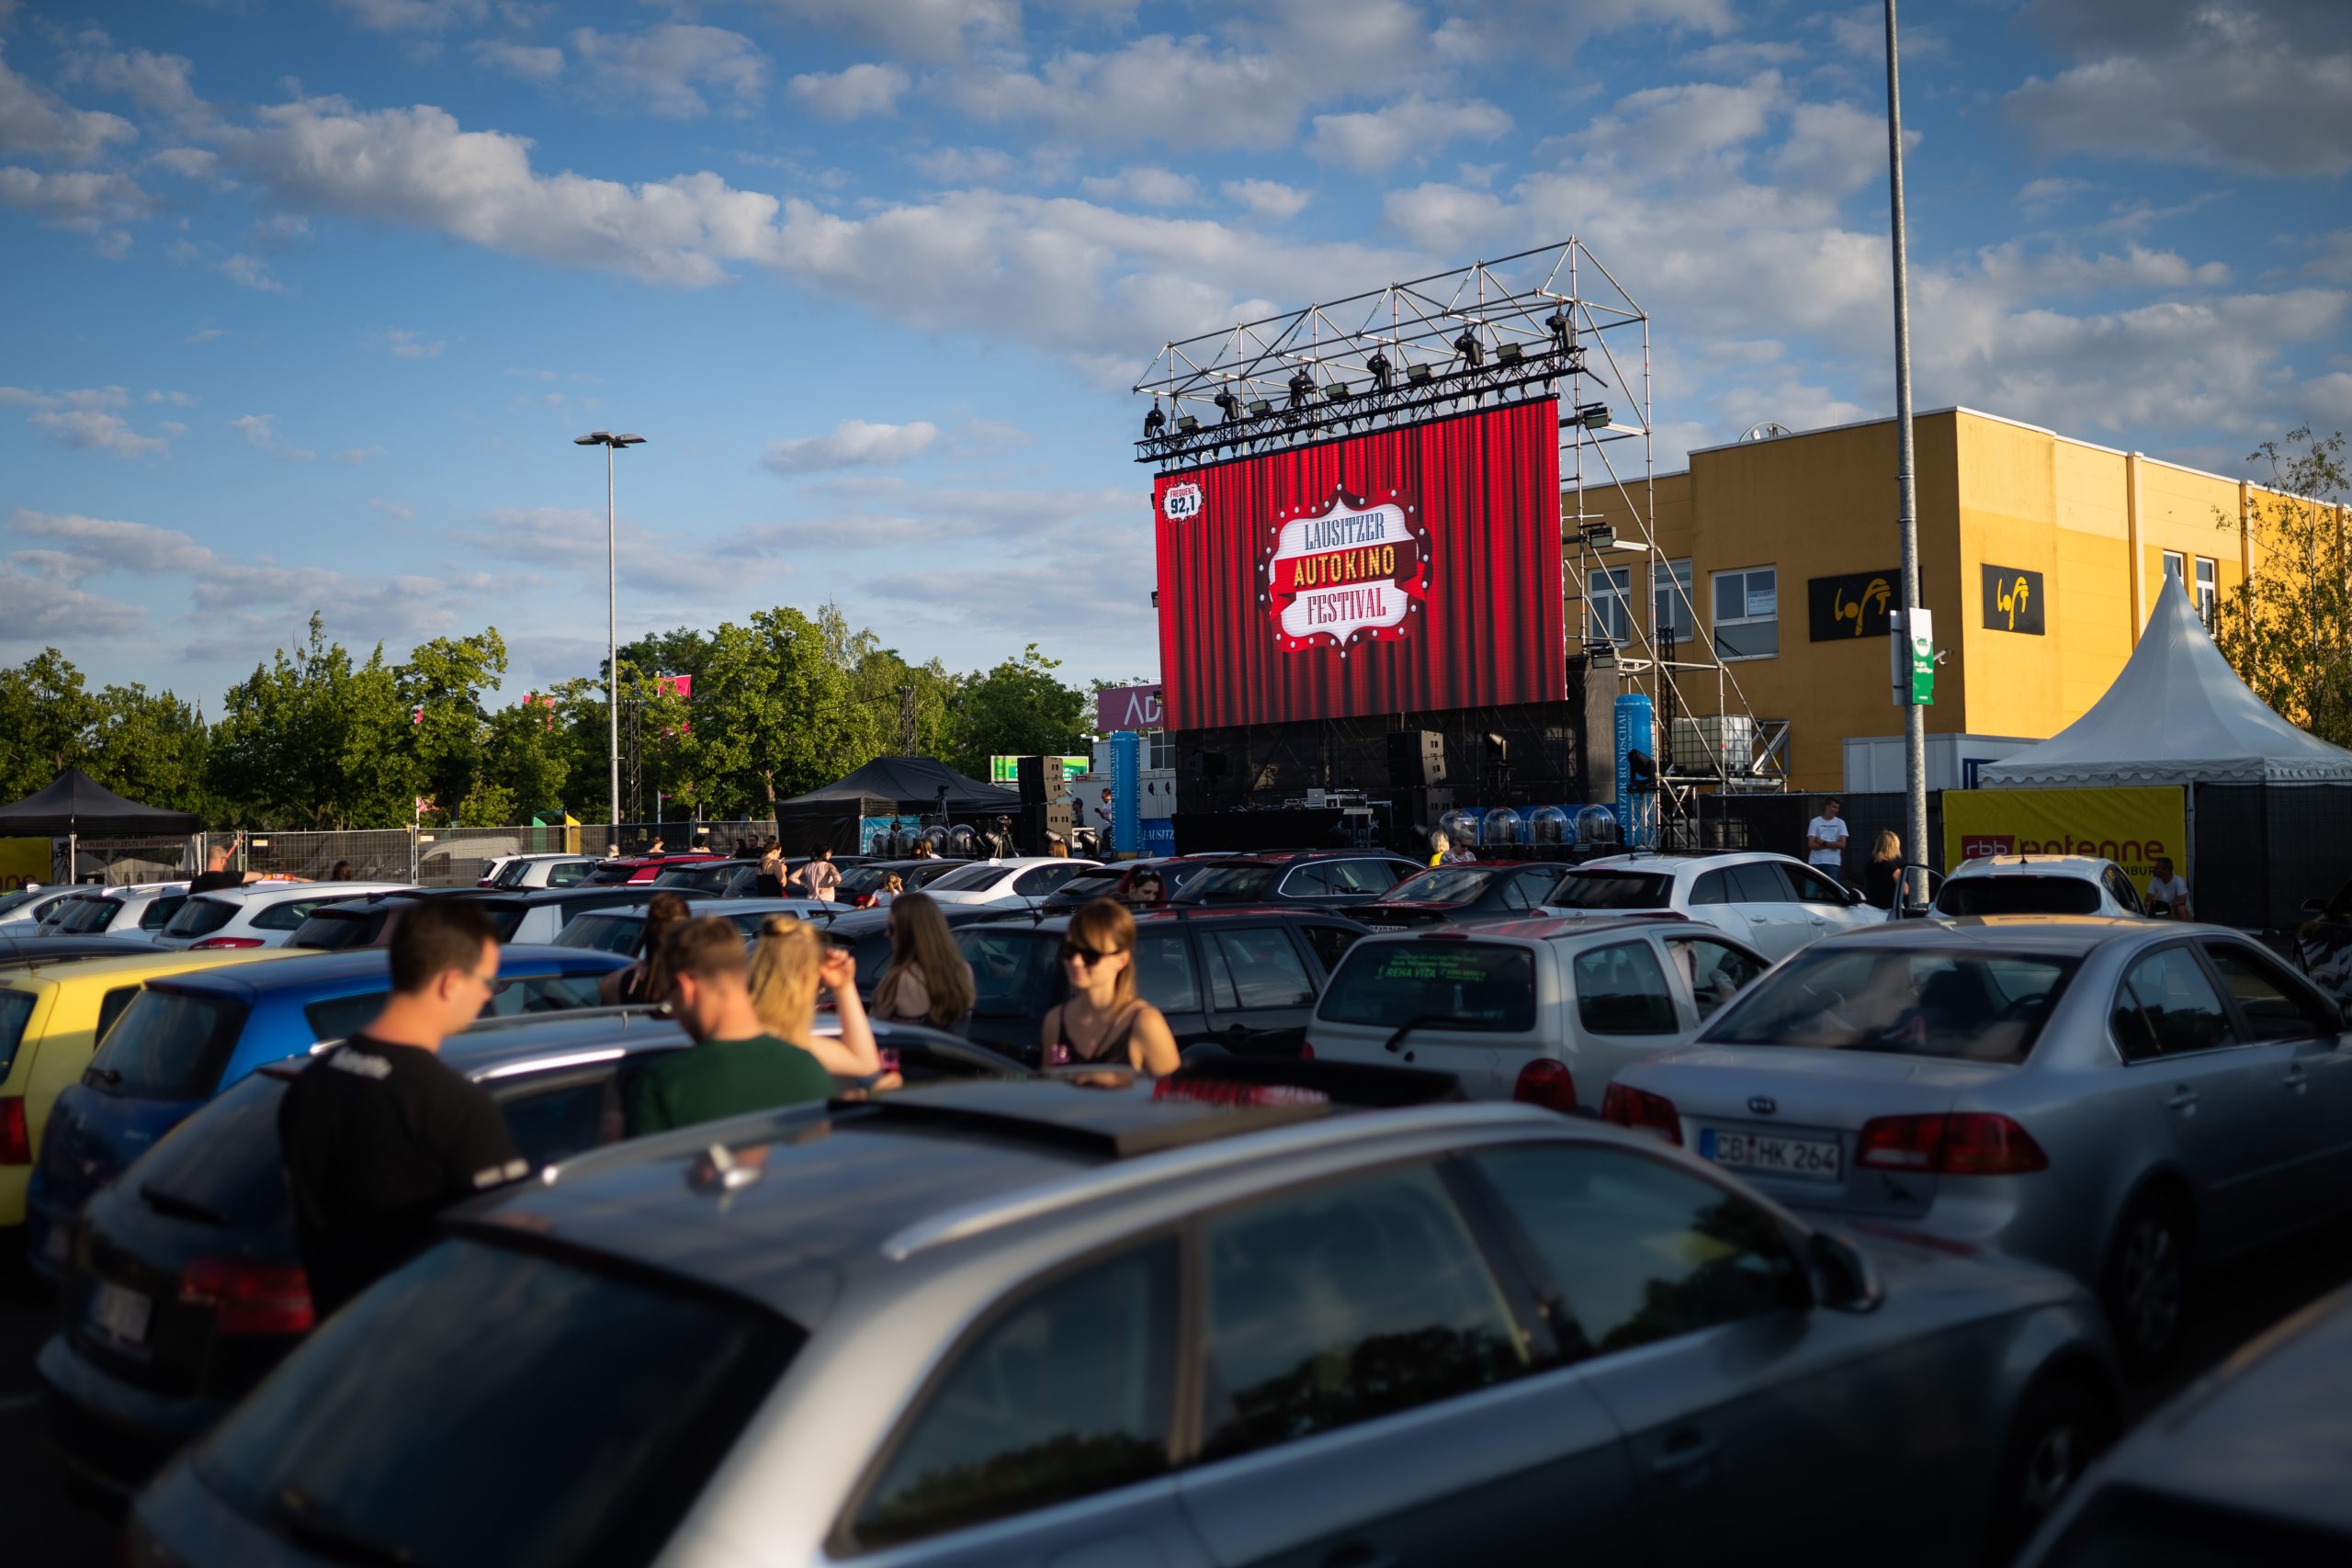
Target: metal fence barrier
pixel 429 857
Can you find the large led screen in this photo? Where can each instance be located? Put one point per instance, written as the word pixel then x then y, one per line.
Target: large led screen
pixel 1400 571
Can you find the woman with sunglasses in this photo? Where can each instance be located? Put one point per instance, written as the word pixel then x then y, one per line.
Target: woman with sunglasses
pixel 1104 1022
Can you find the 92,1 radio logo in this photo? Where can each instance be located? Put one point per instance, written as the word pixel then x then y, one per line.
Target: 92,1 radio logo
pixel 1180 502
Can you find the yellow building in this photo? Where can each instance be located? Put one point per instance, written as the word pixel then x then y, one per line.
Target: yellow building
pixel 2039 556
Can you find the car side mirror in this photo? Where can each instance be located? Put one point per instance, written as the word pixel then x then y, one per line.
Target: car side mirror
pixel 1844 1278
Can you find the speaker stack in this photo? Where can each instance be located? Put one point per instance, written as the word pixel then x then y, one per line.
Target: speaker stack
pixel 1417 779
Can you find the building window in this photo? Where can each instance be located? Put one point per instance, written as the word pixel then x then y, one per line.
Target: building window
pixel 1748 612
pixel 1159 750
pixel 1609 592
pixel 2209 591
pixel 1672 600
pixel 2175 567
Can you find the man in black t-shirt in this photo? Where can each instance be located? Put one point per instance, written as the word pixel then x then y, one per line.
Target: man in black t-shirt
pixel 216 874
pixel 376 1135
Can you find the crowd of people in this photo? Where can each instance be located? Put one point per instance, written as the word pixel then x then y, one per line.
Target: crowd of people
pixel 1826 837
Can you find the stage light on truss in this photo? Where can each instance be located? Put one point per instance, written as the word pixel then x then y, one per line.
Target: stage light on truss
pixel 1187 425
pixel 1419 375
pixel 1601 537
pixel 1337 392
pixel 1469 349
pixel 1260 408
pixel 1593 416
pixel 1154 421
pixel 1601 655
pixel 1506 356
pixel 1302 387
pixel 1229 404
pixel 1379 366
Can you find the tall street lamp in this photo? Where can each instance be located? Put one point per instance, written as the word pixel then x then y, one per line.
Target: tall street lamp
pixel 611 443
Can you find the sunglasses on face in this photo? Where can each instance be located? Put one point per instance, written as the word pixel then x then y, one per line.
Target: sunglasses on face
pixel 1087 955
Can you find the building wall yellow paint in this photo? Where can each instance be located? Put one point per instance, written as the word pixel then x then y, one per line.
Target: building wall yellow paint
pixel 1989 491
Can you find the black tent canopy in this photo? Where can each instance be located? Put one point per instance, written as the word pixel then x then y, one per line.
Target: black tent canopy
pixel 77 805
pixel 906 784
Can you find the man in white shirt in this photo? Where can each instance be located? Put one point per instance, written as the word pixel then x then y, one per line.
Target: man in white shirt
pixel 2168 893
pixel 1825 838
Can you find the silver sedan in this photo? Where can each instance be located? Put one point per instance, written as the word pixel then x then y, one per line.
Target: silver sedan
pixel 2122 1098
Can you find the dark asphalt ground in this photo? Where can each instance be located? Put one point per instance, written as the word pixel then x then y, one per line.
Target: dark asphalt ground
pixel 42 1526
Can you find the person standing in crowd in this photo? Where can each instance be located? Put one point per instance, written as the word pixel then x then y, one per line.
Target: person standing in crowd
pixel 1105 1022
pixel 927 980
pixel 923 849
pixel 1055 848
pixel 1440 842
pixel 822 876
pixel 342 872
pixel 1825 838
pixel 1105 813
pixel 376 1135
pixel 790 964
pixel 646 983
pixel 1145 890
pixel 770 880
pixel 735 1064
pixel 215 874
pixel 2167 894
pixel 892 885
pixel 1884 874
pixel 657 849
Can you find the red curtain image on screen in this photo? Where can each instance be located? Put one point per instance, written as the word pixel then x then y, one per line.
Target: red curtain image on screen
pixel 1398 571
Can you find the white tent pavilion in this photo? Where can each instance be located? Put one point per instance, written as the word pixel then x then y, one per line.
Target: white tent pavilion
pixel 2177 715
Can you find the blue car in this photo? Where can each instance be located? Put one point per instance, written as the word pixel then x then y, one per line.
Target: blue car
pixel 183 1041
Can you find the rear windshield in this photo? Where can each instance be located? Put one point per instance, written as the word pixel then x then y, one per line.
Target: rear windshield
pixel 1230 882
pixel 1613 890
pixel 16 1010
pixel 1976 1007
pixel 19 899
pixel 510 874
pixel 223 1159
pixel 1088 886
pixel 1446 884
pixel 201 917
pixel 863 880
pixel 1477 986
pixel 504 917
pixel 967 878
pixel 2018 896
pixel 604 934
pixel 331 929
pixel 86 917
pixel 554 1417
pixel 168 1045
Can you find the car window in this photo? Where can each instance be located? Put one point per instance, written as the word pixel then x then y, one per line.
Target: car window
pixel 1965 896
pixel 1343 1303
pixel 1515 894
pixel 1811 887
pixel 554 1121
pixel 1039 881
pixel 1363 876
pixel 1164 974
pixel 2166 1007
pixel 1065 1395
pixel 1715 971
pixel 340 1018
pixel 201 917
pixel 1714 888
pixel 160 910
pixel 1638 1250
pixel 1759 882
pixel 1959 1002
pixel 570 874
pixel 974 878
pixel 1484 987
pixel 574 1413
pixel 1231 883
pixel 1621 989
pixel 110 1008
pixel 16 1011
pixel 540 993
pixel 1331 943
pixel 1012 971
pixel 1256 966
pixel 1614 890
pixel 1309 881
pixel 1441 885
pixel 2273 1006
pixel 168 1045
pixel 286 914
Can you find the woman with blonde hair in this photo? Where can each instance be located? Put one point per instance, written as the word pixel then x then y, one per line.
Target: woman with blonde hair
pixel 1884 871
pixel 926 980
pixel 646 983
pixel 790 964
pixel 1105 1022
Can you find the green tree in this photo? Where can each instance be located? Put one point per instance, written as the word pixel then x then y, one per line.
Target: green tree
pixel 153 747
pixel 1016 709
pixel 772 715
pixel 2286 631
pixel 315 739
pixel 529 754
pixel 443 685
pixel 47 723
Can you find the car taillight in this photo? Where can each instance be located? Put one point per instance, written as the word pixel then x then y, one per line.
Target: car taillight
pixel 1546 1083
pixel 1306 1052
pixel 249 1298
pixel 1966 1144
pixel 1638 1108
pixel 226 942
pixel 16 1139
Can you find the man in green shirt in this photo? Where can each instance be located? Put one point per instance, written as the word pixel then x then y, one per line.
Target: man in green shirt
pixel 734 1065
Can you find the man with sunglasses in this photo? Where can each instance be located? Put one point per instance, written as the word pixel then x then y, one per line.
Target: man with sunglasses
pixel 378 1137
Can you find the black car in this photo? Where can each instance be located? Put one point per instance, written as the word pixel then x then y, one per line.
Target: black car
pixel 1464 894
pixel 538 916
pixel 1244 978
pixel 366 921
pixel 1325 879
pixel 185 1286
pixel 1118 879
pixel 862 881
pixel 712 876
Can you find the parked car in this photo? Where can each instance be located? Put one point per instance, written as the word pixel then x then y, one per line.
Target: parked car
pixel 2037 884
pixel 21 911
pixel 711 876
pixel 1546 1010
pixel 859 884
pixel 188 1036
pixel 1773 903
pixel 1020 880
pixel 1328 879
pixel 200 1231
pixel 622 931
pixel 2128 1099
pixel 866 934
pixel 1118 879
pixel 137 912
pixel 2242 1469
pixel 1144 1325
pixel 547 870
pixel 643 868
pixel 366 921
pixel 537 918
pixel 260 914
pixel 1464 894
pixel 32 952
pixel 52 1019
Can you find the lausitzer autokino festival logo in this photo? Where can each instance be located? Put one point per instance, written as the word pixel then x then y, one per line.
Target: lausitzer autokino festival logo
pixel 1358 568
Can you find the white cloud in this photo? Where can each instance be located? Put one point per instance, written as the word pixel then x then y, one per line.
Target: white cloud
pixel 38 605
pixel 411 16
pixel 530 62
pixel 178 399
pixel 1413 128
pixel 251 272
pixel 1156 89
pixel 1144 185
pixel 660 69
pixel 851 94
pixel 261 429
pixel 853 443
pixel 354 455
pixel 208 334
pixel 914 29
pixel 1267 198
pixel 966 165
pixel 33 120
pixel 1833 148
pixel 83 200
pixel 2038 199
pixel 573 538
pixel 88 420
pixel 402 344
pixel 160 83
pixel 391 509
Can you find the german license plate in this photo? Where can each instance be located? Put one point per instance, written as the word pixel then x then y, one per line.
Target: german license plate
pixel 119 1313
pixel 1812 1158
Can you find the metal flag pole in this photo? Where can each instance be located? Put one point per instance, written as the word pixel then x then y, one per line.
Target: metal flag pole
pixel 1915 717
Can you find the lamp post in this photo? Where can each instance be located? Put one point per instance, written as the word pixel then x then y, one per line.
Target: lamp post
pixel 611 443
pixel 1915 717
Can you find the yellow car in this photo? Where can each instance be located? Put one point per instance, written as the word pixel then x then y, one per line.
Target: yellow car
pixel 52 1019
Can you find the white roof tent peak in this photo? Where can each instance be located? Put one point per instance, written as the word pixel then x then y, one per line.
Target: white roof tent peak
pixel 2177 714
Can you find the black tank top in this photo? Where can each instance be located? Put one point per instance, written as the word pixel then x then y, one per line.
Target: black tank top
pixel 1112 1044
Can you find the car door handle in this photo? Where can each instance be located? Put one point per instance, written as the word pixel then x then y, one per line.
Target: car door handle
pixel 1359 1554
pixel 1687 1459
pixel 2183 1099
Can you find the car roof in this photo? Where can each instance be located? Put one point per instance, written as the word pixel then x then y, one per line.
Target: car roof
pixel 851 1189
pixel 307 969
pixel 1670 863
pixel 1294 857
pixel 528 897
pixel 155 964
pixel 2087 867
pixel 257 891
pixel 1544 927
pixel 2075 935
pixel 723 906
pixel 1174 914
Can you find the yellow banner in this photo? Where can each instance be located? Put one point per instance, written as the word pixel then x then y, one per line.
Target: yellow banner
pixel 23 861
pixel 2130 827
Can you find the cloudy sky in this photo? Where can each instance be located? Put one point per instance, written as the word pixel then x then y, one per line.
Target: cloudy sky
pixel 306 298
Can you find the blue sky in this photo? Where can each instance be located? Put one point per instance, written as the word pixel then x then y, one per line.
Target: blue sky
pixel 307 300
